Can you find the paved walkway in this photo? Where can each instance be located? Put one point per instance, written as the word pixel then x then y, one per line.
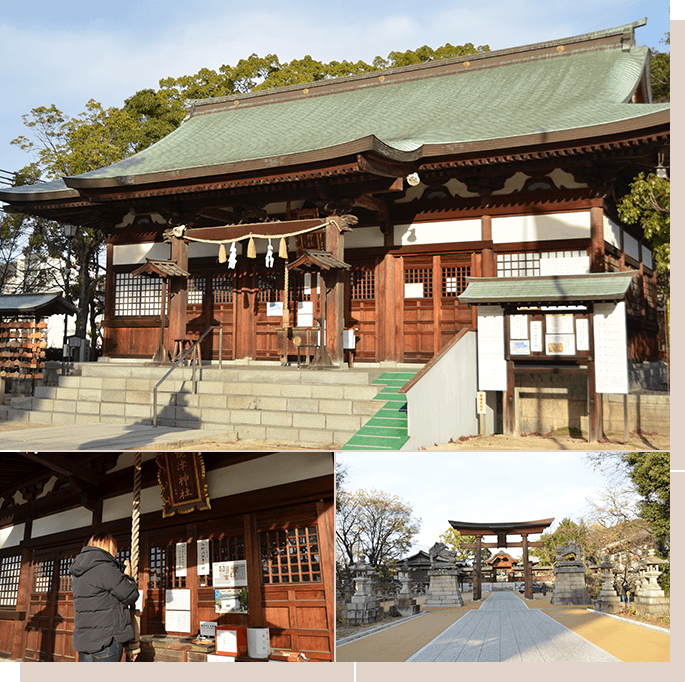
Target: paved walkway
pixel 103 437
pixel 505 629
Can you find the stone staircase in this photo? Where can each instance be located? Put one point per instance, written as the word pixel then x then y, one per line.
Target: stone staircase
pixel 257 401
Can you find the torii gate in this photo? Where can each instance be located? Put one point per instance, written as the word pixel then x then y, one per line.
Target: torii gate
pixel 502 530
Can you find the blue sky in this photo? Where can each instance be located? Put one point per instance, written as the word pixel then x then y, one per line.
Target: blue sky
pixel 67 52
pixel 478 486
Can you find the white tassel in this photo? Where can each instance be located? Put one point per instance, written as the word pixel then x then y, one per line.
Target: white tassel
pixel 269 255
pixel 232 257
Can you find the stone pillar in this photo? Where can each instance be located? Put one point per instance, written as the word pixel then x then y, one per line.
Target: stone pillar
pixel 363 607
pixel 570 589
pixel 608 601
pixel 649 597
pixel 444 588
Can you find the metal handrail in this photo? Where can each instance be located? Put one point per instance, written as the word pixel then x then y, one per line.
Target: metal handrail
pixel 193 364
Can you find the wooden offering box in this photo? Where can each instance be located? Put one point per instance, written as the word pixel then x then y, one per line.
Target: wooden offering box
pixel 169 649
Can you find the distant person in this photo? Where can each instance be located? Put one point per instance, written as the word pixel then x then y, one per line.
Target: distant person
pixel 103 590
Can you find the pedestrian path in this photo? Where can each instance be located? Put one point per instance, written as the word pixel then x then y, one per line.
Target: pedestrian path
pixel 505 629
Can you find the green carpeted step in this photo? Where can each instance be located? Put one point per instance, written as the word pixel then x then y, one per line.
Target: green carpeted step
pixel 387 429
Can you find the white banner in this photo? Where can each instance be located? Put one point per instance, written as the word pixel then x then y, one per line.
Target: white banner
pixel 492 367
pixel 611 348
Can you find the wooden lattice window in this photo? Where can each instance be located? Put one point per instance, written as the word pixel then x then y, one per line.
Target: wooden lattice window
pixel 296 286
pixel 415 276
pixel 222 288
pixel 290 556
pixel 136 295
pixel 10 568
pixel 362 284
pixel 196 290
pixel 270 285
pixel 157 567
pixel 454 280
pixel 65 578
pixel 42 575
pixel 518 264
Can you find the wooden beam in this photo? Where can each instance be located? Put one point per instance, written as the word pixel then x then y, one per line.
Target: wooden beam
pixel 495 545
pixel 66 467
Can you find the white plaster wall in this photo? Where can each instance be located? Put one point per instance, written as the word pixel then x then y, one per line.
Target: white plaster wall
pixel 127 460
pixel 530 228
pixel 442 232
pixel 120 507
pixel 363 238
pixel 201 250
pixel 11 536
pixel 58 523
pixel 631 246
pixel 265 472
pixel 442 405
pixel 612 232
pixel 127 254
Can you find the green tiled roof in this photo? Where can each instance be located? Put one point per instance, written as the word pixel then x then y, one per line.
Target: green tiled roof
pixel 611 286
pixel 445 107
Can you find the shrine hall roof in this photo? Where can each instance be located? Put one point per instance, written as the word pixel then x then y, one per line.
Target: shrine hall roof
pixel 577 88
pixel 40 305
pixel 604 286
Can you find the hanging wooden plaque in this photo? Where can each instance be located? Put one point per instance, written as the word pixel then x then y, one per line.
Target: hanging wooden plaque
pixel 183 481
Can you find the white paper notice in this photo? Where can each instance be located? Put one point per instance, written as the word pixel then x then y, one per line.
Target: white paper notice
pixel 492 367
pixel 559 324
pixel 177 600
pixel 611 348
pixel 305 314
pixel 181 559
pixel 203 557
pixel 177 621
pixel 274 309
pixel 583 333
pixel 560 344
pixel 536 336
pixel 230 573
pixel 413 290
pixel 518 326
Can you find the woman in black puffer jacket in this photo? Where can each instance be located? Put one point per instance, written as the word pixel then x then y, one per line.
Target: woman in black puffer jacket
pixel 103 591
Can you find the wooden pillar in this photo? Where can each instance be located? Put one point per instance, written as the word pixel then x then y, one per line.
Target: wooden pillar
pixel 255 605
pixel 597 239
pixel 594 405
pixel 178 290
pixel 489 263
pixel 109 301
pixel 437 305
pixel 335 284
pixel 527 575
pixel 477 577
pixel 509 403
pixel 325 514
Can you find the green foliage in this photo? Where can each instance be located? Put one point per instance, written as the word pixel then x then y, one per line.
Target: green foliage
pixel 567 531
pixel 650 473
pixel 661 73
pixel 454 541
pixel 649 204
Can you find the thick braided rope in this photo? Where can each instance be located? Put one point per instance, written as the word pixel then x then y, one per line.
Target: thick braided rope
pixel 253 235
pixel 135 517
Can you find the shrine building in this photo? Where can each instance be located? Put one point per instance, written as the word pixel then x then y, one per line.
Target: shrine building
pixel 498 164
pixel 237 542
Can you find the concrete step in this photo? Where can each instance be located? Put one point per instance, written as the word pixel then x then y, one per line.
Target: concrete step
pixel 272 403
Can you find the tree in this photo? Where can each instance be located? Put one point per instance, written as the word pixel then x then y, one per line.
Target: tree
pixel 454 541
pixel 651 475
pixel 649 204
pixel 660 64
pixel 374 524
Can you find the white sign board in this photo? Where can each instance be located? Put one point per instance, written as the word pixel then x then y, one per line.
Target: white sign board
pixel 230 573
pixel 181 568
pixel 177 621
pixel 413 290
pixel 203 557
pixel 177 600
pixel 492 367
pixel 305 314
pixel 518 326
pixel 208 628
pixel 274 309
pixel 572 265
pixel 536 336
pixel 582 334
pixel 611 348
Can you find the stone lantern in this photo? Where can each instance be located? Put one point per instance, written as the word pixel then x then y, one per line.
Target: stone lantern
pixel 608 601
pixel 649 597
pixel 363 607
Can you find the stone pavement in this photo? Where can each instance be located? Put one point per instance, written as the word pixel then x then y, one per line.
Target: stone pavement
pixel 504 629
pixel 103 437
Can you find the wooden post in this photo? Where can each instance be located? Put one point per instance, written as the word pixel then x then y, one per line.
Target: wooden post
pixel 528 590
pixel 335 302
pixel 477 587
pixel 178 291
pixel 595 405
pixel 597 239
pixel 509 404
pixel 489 264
